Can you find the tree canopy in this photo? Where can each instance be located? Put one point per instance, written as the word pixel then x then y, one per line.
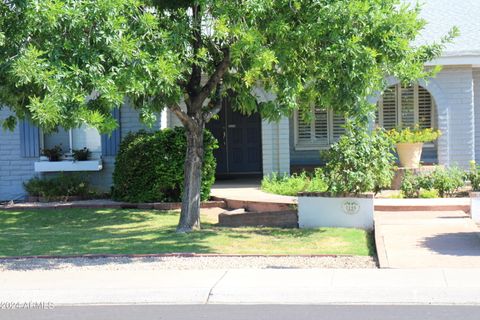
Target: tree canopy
pixel 69 62
pixel 329 52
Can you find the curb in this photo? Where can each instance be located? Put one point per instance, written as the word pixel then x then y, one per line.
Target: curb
pixel 175 255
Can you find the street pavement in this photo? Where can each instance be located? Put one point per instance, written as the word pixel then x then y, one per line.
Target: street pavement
pixel 243 286
pixel 242 312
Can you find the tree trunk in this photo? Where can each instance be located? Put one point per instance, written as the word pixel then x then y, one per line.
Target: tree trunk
pixel 190 214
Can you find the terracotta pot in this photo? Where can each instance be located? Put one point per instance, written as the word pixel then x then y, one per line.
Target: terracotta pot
pixel 409 154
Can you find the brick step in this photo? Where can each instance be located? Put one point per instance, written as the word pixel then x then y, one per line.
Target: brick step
pixel 423 207
pixel 255 206
pixel 242 218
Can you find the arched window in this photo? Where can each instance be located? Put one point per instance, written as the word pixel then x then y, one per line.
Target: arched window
pixel 405 106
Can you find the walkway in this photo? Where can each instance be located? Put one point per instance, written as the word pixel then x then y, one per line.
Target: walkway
pixel 427 239
pixel 247 286
pixel 247 190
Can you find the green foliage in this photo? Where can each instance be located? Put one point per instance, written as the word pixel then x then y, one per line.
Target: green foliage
pixel 54 153
pixel 409 186
pixel 81 154
pixel 443 181
pixel 414 135
pixel 292 185
pixel 428 194
pixel 361 161
pixel 149 166
pixel 63 185
pixel 447 180
pixel 473 175
pixel 56 53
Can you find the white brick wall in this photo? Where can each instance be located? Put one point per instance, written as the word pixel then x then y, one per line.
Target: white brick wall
pixel 476 99
pixel 275 146
pixel 452 89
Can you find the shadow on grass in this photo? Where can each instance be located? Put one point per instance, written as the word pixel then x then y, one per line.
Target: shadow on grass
pixel 84 231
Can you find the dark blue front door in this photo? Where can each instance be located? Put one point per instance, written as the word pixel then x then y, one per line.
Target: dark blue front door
pixel 240 141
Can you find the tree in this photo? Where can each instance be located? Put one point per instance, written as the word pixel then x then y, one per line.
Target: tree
pixel 160 54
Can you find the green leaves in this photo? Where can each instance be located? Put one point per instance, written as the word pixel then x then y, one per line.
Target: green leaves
pixel 330 53
pixel 360 161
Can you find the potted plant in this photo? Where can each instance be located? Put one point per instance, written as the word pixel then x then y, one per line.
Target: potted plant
pixel 358 165
pixel 409 143
pixel 53 154
pixel 81 154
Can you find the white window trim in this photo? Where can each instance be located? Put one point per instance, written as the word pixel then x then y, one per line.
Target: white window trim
pixel 68 154
pixel 303 146
pixel 398 110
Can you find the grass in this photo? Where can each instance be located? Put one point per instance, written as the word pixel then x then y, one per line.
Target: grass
pixel 120 231
pixel 292 185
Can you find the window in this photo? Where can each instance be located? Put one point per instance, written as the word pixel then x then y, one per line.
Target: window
pixel 405 106
pixel 325 128
pixel 73 139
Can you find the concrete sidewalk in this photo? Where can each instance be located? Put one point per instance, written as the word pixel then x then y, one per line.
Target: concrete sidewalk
pixel 427 239
pixel 247 286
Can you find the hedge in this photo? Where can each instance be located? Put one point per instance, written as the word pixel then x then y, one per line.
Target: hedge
pixel 150 166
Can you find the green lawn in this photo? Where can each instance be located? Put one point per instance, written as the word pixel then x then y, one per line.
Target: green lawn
pixel 115 231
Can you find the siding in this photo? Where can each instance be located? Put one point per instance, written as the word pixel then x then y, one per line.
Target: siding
pixel 275 147
pixel 14 169
pixel 476 99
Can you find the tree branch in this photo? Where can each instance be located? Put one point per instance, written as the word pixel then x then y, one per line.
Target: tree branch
pixel 214 80
pixel 182 116
pixel 217 104
pixel 196 76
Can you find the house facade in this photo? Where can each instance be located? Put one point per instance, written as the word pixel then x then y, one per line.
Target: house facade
pixel 250 145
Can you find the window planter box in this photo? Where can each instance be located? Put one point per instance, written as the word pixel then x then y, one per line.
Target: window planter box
pixel 68 165
pixel 317 210
pixel 475 206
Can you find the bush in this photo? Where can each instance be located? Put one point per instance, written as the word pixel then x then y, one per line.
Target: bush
pixel 292 185
pixel 474 176
pixel 150 166
pixel 428 194
pixel 63 185
pixel 361 161
pixel 447 181
pixel 442 181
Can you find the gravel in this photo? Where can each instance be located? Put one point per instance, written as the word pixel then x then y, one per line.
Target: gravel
pixel 185 263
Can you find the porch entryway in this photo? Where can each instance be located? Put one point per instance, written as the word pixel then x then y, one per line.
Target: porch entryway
pixel 240 142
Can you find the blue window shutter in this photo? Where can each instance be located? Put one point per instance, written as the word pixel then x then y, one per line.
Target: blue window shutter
pixel 111 143
pixel 29 139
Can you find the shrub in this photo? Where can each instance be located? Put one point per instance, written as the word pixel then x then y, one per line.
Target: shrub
pixel 63 185
pixel 292 185
pixel 442 181
pixel 428 194
pixel 361 161
pixel 447 181
pixel 410 185
pixel 474 176
pixel 414 135
pixel 150 166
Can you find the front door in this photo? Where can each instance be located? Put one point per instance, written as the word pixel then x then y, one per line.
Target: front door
pixel 240 141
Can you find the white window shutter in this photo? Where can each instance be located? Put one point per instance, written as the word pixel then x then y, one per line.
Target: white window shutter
pixel 389 109
pixel 338 122
pixel 304 130
pixel 424 108
pixel 407 106
pixel 321 126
